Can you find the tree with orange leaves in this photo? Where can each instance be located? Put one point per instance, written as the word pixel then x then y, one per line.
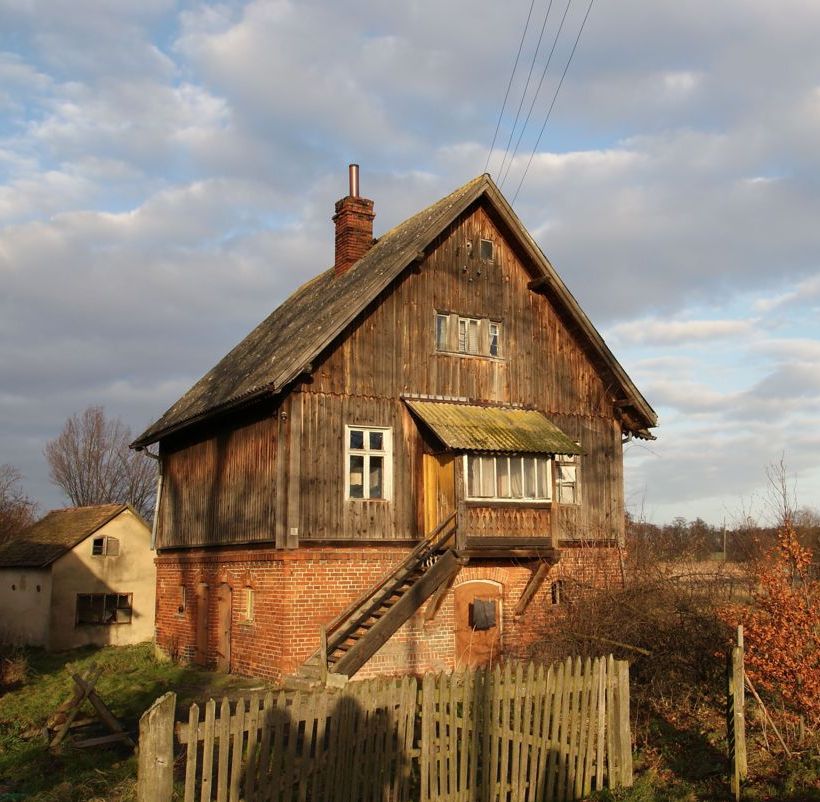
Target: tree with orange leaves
pixel 782 626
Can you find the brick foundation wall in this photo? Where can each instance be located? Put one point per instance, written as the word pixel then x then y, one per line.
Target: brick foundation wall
pixel 295 592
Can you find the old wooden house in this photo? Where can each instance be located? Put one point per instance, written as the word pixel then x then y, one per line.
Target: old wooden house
pixel 395 470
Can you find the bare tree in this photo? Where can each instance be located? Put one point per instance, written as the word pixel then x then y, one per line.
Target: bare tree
pixel 16 508
pixel 91 463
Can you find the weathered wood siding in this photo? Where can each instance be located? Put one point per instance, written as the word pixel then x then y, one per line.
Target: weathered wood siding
pixel 225 486
pixel 220 488
pixel 391 351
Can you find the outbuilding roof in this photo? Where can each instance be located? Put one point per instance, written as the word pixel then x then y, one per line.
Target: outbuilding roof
pixel 285 344
pixel 52 536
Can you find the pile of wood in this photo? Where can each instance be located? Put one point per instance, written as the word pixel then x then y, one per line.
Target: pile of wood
pixel 65 719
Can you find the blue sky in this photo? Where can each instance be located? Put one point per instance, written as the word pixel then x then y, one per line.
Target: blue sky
pixel 167 176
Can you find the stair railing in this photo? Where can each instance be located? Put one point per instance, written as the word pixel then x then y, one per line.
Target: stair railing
pixel 431 543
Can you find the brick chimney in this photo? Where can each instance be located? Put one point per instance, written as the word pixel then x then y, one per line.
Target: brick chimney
pixel 354 225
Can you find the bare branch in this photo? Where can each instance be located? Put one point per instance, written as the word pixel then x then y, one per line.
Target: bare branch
pixel 91 463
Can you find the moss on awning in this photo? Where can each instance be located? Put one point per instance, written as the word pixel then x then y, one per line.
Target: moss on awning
pixel 468 427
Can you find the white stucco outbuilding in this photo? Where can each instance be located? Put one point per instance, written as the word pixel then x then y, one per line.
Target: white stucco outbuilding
pixel 82 575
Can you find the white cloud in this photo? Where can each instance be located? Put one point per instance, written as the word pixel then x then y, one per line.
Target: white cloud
pixel 169 175
pixel 679 332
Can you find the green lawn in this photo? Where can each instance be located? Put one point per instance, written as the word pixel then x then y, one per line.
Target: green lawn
pixel 680 759
pixel 131 679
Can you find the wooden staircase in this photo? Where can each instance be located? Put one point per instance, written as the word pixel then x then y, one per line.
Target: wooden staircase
pixel 360 630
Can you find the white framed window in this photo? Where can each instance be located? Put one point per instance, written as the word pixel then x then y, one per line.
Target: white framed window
pixel 566 479
pixel 105 547
pixel 467 335
pixel 368 462
pixel 503 477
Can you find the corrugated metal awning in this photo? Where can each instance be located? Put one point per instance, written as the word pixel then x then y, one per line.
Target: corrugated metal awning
pixel 469 427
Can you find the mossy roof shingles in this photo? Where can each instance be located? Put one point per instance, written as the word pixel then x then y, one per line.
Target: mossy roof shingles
pixel 52 536
pixel 283 345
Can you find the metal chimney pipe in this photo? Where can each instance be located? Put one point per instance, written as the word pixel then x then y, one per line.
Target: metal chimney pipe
pixel 353 175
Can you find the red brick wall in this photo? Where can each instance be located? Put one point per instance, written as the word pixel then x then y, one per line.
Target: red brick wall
pixel 295 592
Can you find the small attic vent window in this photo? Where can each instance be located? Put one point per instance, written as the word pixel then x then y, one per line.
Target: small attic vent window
pixel 105 547
pixel 486 250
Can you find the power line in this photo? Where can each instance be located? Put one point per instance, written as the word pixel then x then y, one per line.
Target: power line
pixel 537 91
pixel 526 85
pixel 507 93
pixel 554 97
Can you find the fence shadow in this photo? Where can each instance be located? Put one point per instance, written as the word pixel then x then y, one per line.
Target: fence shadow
pixel 520 733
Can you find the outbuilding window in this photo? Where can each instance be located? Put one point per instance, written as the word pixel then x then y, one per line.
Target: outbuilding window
pixel 368 462
pixel 103 608
pixel 519 478
pixel 105 547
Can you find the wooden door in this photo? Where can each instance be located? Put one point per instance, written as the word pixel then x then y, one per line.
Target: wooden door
pixel 476 605
pixel 224 599
pixel 439 496
pixel 201 656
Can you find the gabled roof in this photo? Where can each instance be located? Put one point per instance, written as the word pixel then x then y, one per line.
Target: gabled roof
pixel 55 534
pixel 284 345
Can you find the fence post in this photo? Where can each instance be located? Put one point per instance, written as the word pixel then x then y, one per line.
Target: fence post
pixel 624 731
pixel 736 716
pixel 155 771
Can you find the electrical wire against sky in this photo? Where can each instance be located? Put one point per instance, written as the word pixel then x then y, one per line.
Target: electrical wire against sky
pixel 504 173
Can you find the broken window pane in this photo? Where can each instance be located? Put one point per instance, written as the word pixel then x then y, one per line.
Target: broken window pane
pixel 482 614
pixel 356 475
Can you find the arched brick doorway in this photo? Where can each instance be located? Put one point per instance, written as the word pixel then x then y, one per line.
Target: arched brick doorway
pixel 477 622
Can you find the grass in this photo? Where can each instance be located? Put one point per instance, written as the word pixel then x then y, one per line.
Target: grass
pixel 131 679
pixel 680 756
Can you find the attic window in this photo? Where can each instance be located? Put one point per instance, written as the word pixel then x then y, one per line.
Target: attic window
pixel 105 547
pixel 483 614
pixel 467 335
pixel 486 250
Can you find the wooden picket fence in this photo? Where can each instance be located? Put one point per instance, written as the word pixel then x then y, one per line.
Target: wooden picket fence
pixel 512 734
